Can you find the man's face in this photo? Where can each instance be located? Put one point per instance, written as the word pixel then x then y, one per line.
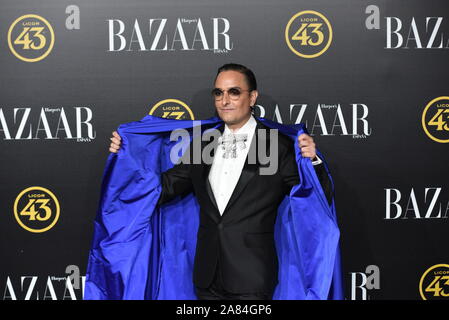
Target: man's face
pixel 234 111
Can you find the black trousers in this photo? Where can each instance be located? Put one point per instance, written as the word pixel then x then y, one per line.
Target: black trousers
pixel 217 292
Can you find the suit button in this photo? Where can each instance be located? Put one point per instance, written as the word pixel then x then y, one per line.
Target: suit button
pixel 220 226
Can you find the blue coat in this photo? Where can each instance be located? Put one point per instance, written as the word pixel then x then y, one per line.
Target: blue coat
pixel 143 251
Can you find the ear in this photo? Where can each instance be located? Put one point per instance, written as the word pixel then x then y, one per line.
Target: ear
pixel 253 98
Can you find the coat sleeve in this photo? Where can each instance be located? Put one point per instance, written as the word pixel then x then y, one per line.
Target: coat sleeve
pixel 290 175
pixel 175 182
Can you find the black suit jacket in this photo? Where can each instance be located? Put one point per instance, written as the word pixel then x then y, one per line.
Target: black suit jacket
pixel 242 239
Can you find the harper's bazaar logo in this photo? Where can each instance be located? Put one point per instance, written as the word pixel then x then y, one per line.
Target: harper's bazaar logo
pixel 36 209
pixel 161 34
pixel 362 282
pixel 49 123
pixel 31 38
pixel 324 119
pixel 308 34
pixel 416 32
pixel 172 109
pixel 415 204
pixel 69 286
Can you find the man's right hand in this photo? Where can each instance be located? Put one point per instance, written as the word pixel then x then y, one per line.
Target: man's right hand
pixel 116 142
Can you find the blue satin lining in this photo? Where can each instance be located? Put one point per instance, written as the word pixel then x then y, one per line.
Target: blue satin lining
pixel 141 251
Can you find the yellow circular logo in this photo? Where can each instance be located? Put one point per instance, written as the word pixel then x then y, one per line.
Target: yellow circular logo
pixel 435 119
pixel 308 34
pixel 434 283
pixel 31 38
pixel 36 209
pixel 172 109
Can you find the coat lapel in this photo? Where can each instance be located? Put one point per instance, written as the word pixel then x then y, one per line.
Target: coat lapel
pixel 205 173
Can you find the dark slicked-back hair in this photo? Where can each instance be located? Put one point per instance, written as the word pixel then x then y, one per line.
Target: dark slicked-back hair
pixel 249 75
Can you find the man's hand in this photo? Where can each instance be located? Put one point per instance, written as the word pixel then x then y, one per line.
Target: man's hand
pixel 307 146
pixel 116 142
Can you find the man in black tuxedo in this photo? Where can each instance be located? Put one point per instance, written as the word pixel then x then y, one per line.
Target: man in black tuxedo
pixel 235 255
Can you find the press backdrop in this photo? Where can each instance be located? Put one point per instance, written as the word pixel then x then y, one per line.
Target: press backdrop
pixel 369 79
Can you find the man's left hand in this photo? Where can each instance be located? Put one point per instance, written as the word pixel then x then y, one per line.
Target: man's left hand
pixel 307 146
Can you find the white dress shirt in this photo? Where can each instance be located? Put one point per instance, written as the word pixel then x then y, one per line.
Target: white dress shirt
pixel 225 172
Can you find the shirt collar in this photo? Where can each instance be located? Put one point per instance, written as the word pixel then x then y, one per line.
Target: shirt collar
pixel 247 128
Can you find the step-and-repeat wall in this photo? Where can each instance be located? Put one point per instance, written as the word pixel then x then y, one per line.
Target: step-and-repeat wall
pixel 370 79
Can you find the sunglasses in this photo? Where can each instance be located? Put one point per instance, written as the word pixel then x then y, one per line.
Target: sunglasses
pixel 234 93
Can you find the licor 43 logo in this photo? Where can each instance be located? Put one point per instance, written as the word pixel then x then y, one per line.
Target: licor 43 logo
pixel 36 209
pixel 434 283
